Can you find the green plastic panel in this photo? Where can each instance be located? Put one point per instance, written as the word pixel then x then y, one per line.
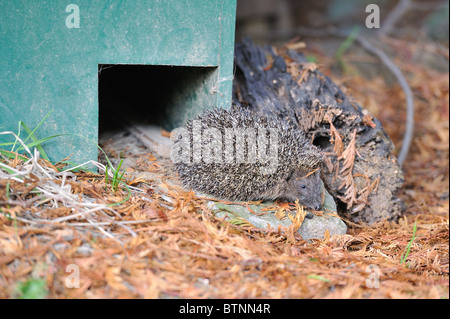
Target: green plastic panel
pixel 49 60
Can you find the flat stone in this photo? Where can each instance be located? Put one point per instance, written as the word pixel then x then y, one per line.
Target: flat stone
pixel 311 228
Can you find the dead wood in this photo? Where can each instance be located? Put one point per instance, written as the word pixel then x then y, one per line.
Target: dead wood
pixel 361 171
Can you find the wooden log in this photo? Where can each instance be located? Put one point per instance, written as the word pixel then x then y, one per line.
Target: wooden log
pixel 359 170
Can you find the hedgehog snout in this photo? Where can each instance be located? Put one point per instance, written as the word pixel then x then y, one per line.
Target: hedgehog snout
pixel 313 206
pixel 307 189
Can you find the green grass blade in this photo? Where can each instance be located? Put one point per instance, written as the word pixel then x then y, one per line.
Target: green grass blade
pixel 98 146
pixel 319 278
pixel 345 46
pixel 106 175
pixel 116 178
pixel 7 190
pixel 11 172
pixel 347 42
pixel 31 133
pixel 121 175
pixel 38 142
pixel 15 141
pixel 116 172
pixel 12 155
pixel 126 198
pixel 408 247
pixel 33 137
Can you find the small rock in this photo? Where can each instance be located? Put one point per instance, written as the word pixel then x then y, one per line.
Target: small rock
pixel 311 228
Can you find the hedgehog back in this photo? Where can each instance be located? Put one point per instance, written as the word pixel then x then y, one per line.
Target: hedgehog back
pixel 248 179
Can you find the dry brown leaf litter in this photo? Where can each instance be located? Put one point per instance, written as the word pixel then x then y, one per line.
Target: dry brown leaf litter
pixel 163 242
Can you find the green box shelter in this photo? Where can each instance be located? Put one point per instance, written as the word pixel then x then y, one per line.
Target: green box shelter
pixel 52 54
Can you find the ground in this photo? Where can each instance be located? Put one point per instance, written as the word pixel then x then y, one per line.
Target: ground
pixel 157 240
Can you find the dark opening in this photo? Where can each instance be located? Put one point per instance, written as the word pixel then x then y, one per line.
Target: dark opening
pixel 322 142
pixel 147 94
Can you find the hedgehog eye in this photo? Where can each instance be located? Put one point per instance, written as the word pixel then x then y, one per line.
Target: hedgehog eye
pixel 302 186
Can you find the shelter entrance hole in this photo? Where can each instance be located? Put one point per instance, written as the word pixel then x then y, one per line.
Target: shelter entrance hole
pixel 152 94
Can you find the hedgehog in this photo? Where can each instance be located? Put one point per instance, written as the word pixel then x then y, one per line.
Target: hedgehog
pixel 240 155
